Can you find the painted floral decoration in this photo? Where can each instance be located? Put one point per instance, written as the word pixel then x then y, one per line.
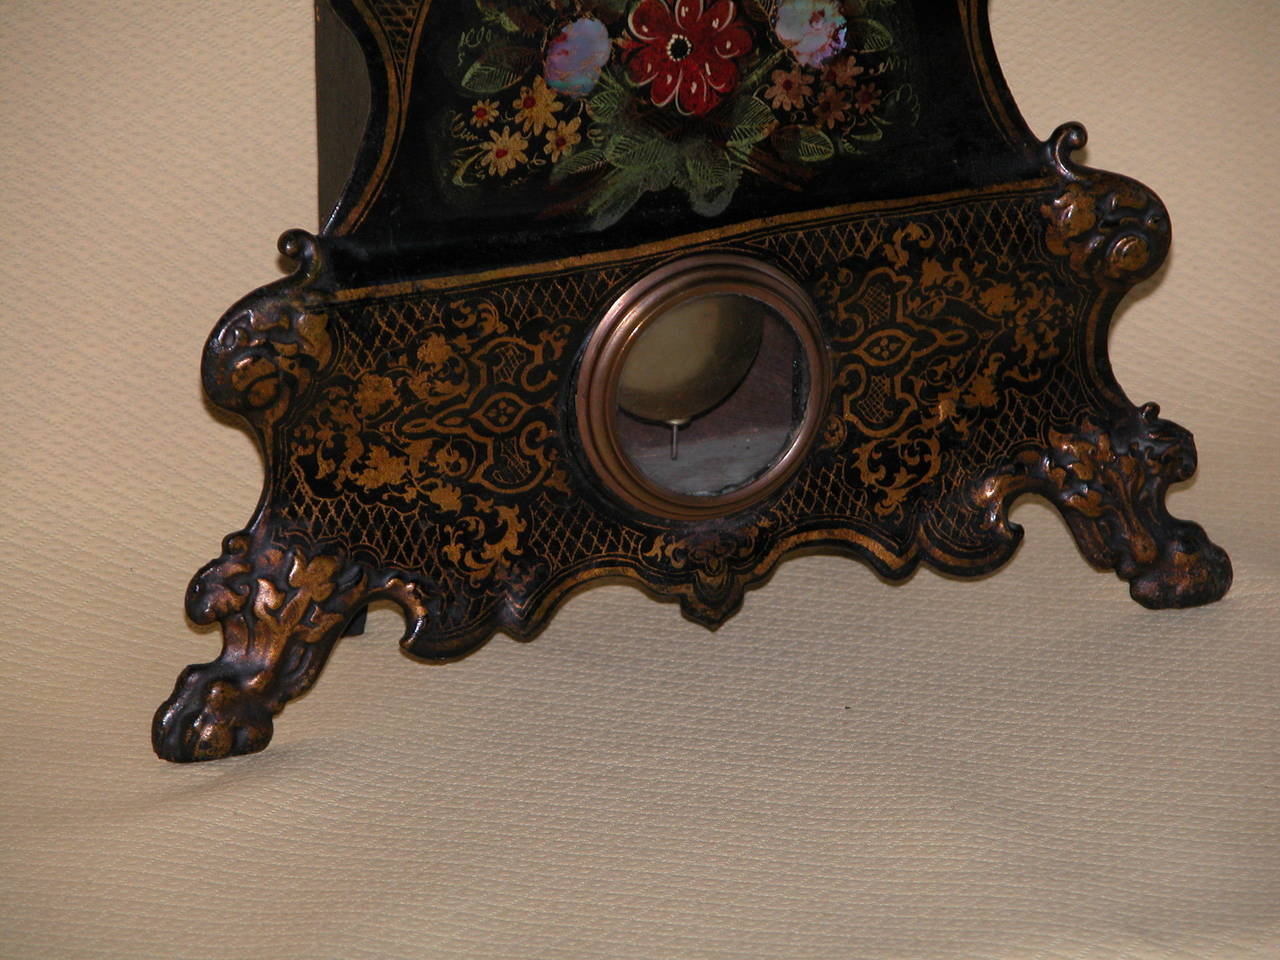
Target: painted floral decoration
pixel 813 30
pixel 789 89
pixel 563 138
pixel 596 103
pixel 504 151
pixel 576 56
pixel 686 56
pixel 536 106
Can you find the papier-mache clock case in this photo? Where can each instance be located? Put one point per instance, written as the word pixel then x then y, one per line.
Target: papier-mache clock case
pixel 525 191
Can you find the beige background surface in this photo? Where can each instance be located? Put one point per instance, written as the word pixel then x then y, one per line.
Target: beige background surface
pixel 1028 766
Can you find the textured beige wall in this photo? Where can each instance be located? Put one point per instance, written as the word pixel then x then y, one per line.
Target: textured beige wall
pixel 1028 766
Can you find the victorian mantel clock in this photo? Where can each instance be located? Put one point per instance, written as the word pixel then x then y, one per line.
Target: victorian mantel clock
pixel 667 290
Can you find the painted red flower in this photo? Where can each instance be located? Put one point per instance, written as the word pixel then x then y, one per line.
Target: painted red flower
pixel 687 55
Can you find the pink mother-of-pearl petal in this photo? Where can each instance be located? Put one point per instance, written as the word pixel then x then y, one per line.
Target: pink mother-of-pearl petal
pixel 830 42
pixel 576 56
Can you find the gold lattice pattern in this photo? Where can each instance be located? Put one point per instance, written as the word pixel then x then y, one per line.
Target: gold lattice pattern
pixel 439 433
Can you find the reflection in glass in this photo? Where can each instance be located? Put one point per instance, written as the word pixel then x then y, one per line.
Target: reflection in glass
pixel 711 394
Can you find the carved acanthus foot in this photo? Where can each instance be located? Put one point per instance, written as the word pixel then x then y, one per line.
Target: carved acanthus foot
pixel 1109 484
pixel 282 607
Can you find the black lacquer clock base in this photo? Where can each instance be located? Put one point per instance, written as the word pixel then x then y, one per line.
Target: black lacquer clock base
pixel 440 437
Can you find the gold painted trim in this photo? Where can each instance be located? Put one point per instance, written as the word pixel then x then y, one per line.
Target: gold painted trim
pixel 976 24
pixel 688 240
pixel 526 618
pixel 397 111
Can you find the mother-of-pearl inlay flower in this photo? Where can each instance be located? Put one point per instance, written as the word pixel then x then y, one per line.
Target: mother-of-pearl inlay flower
pixel 813 30
pixel 576 56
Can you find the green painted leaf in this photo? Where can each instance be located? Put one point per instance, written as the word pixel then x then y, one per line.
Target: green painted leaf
pixel 477 39
pixel 902 105
pixel 578 162
pixel 870 136
pixel 751 121
pixel 803 144
pixel 638 151
pixel 605 105
pixel 608 102
pixel 708 177
pixel 499 67
pixel 508 15
pixel 756 75
pixel 869 36
pixel 499 18
pixel 707 169
pixel 618 194
pixel 611 9
pixel 716 201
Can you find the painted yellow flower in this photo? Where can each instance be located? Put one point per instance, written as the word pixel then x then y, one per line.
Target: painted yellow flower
pixel 562 138
pixel 536 106
pixel 504 151
pixel 866 98
pixel 842 71
pixel 831 108
pixel 484 112
pixel 789 89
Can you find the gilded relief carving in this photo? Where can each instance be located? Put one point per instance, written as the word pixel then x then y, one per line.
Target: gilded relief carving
pixel 282 605
pixel 1111 229
pixel 1109 482
pixel 267 349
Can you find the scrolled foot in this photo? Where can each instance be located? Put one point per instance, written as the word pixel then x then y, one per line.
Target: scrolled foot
pixel 1109 480
pixel 282 603
pixel 209 718
pixel 1190 571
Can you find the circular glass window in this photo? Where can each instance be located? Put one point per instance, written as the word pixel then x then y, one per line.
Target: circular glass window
pixel 711 394
pixel 701 389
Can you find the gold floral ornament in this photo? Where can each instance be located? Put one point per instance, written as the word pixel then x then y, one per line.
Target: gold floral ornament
pixel 504 151
pixel 536 106
pixel 841 72
pixel 832 107
pixel 484 112
pixel 866 98
pixel 563 138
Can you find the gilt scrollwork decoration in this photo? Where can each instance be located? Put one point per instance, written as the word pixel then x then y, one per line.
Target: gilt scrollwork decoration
pixel 1111 229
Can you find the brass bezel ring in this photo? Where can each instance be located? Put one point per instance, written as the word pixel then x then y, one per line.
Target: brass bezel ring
pixel 606 352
